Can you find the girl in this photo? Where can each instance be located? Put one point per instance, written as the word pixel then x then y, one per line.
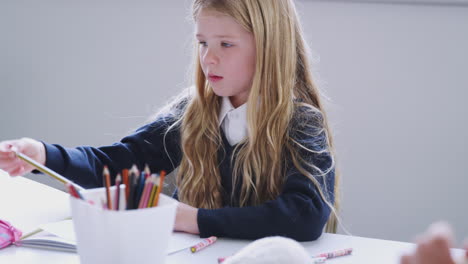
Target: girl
pixel 251 140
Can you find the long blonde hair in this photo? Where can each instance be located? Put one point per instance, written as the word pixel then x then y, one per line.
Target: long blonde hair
pixel 282 83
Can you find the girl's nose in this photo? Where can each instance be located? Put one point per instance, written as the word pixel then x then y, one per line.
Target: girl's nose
pixel 210 57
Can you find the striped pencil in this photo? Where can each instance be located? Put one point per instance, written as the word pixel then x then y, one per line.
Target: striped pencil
pixel 334 254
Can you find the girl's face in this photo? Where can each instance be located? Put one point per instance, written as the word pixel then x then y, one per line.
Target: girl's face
pixel 227 55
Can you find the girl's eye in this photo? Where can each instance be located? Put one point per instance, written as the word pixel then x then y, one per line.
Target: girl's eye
pixel 224 44
pixel 202 43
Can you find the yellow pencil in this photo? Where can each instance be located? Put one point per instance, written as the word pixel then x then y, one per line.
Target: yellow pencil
pixel 160 186
pixel 153 190
pixel 46 170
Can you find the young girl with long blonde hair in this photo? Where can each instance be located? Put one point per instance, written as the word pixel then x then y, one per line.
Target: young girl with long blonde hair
pixel 250 140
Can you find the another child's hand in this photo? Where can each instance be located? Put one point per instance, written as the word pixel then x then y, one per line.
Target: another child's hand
pixel 433 247
pixel 186 219
pixel 15 166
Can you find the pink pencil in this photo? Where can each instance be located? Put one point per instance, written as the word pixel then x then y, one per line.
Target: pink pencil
pixel 146 191
pixel 336 253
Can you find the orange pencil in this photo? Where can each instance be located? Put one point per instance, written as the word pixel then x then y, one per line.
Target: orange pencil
pixel 161 182
pixel 107 185
pixel 125 181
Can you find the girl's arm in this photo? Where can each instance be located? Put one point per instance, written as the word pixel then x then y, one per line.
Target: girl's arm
pixel 298 212
pixel 84 165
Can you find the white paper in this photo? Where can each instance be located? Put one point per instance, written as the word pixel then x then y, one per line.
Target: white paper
pixel 62 229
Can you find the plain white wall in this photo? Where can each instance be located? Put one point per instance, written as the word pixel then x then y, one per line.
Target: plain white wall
pixel 89 72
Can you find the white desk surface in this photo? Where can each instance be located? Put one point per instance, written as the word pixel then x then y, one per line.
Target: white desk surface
pixel 18 193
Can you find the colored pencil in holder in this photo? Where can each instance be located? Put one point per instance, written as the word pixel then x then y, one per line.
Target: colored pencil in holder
pixel 154 191
pixel 131 179
pixel 125 182
pixel 118 180
pixel 161 185
pixel 140 187
pixel 146 190
pixel 107 183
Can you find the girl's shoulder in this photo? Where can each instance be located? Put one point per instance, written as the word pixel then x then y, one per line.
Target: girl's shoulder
pixel 305 115
pixel 307 127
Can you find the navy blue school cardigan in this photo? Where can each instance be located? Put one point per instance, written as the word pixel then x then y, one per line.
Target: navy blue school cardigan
pixel 298 212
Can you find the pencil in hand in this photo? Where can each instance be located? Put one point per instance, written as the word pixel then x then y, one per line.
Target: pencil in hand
pixel 46 170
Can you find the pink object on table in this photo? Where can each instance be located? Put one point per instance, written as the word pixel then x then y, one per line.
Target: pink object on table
pixel 8 234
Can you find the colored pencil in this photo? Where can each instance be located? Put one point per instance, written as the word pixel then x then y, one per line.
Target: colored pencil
pixel 46 170
pixel 152 178
pixel 107 183
pixel 145 194
pixel 203 244
pixel 131 178
pixel 118 180
pixel 132 181
pixel 334 254
pixel 125 181
pixel 161 182
pixel 154 191
pixel 140 187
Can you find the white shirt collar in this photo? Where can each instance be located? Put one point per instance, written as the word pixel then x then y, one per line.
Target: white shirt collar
pixel 226 106
pixel 233 121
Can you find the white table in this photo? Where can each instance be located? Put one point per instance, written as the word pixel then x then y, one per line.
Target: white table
pixel 22 201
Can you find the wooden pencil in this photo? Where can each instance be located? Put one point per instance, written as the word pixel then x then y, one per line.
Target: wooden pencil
pixel 118 180
pixel 140 187
pixel 161 185
pixel 145 193
pixel 125 182
pixel 132 182
pixel 153 191
pixel 46 170
pixel 131 177
pixel 107 182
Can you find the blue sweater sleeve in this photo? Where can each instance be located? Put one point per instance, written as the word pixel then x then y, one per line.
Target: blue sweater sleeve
pixel 298 212
pixel 84 165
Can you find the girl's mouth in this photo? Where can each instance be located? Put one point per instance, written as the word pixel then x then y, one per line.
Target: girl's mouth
pixel 214 78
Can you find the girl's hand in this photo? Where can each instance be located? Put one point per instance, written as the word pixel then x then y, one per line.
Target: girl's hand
pixel 433 247
pixel 14 165
pixel 186 219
